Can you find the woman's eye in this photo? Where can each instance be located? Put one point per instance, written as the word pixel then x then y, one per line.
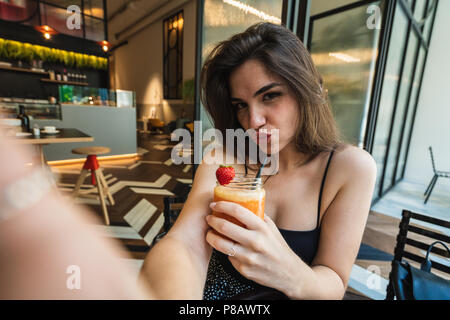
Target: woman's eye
pixel 240 105
pixel 271 95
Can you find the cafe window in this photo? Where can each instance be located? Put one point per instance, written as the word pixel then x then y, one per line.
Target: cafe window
pixel 89 22
pixel 173 56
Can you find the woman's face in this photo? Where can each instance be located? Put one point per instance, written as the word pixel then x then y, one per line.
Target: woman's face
pixel 263 102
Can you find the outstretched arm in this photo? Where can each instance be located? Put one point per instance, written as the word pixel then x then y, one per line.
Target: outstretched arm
pixel 48 248
pixel 176 266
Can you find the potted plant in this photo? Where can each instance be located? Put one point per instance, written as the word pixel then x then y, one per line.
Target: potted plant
pixel 13 50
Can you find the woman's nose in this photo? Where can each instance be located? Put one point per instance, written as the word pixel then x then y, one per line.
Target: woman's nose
pixel 256 117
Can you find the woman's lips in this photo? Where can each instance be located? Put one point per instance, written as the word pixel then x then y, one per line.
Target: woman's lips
pixel 262 136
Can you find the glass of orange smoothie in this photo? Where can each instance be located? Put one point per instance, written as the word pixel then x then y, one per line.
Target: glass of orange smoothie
pixel 246 191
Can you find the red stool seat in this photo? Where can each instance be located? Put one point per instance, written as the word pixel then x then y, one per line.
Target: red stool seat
pixel 92 167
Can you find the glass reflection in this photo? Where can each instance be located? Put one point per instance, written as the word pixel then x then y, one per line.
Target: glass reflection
pixel 411 110
pixel 399 115
pixel 390 84
pixel 224 18
pixel 344 50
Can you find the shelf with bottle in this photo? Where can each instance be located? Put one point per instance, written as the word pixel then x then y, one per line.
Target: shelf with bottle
pixel 7 67
pixel 75 83
pixel 66 78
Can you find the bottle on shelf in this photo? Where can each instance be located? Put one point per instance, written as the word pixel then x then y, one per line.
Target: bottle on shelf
pixel 65 77
pixel 58 76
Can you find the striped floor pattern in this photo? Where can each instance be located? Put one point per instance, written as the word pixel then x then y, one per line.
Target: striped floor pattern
pixel 138 188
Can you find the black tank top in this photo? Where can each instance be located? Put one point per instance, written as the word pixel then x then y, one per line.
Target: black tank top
pixel 224 282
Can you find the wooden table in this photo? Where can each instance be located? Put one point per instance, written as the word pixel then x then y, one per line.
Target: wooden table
pixel 64 136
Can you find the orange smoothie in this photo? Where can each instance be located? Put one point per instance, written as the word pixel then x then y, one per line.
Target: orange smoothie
pixel 253 200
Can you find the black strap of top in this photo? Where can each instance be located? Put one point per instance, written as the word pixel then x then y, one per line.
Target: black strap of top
pixel 321 188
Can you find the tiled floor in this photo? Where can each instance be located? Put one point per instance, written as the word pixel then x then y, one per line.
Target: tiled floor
pixel 408 195
pixel 383 225
pixel 140 186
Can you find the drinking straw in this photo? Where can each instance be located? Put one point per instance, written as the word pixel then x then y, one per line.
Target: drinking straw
pixel 258 175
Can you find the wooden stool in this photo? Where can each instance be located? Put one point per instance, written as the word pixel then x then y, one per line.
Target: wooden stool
pixel 97 177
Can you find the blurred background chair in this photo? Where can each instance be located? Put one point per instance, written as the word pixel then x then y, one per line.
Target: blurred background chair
pixel 156 125
pixel 437 174
pixel 172 209
pixel 416 246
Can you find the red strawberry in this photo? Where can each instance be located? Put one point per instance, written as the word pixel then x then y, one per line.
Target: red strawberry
pixel 225 174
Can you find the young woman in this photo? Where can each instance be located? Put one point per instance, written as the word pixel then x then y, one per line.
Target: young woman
pixel 316 204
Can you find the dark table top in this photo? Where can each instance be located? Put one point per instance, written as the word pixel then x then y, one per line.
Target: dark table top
pixel 65 135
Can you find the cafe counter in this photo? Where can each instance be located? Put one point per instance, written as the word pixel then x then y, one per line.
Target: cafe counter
pixel 111 127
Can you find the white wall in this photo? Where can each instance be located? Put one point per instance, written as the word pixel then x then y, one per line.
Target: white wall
pixel 138 65
pixel 432 124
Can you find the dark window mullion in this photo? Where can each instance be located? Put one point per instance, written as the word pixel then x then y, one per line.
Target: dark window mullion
pixel 384 44
pixel 343 8
pixel 84 22
pixel 164 29
pixel 384 41
pixel 180 86
pixel 172 90
pixel 420 86
pixel 105 20
pixel 408 99
pixel 391 129
pixel 414 25
pixel 65 8
pixel 406 115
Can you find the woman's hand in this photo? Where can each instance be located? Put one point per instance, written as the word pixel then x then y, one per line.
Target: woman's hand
pixel 258 252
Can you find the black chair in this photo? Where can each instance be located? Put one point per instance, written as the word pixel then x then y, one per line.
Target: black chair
pixel 172 209
pixel 437 174
pixel 403 240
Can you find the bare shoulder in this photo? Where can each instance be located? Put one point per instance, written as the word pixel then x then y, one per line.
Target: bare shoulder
pixel 354 162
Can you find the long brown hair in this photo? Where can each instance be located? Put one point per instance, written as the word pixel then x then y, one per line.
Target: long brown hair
pixel 283 55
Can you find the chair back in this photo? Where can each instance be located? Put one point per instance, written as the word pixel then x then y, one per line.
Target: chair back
pixel 172 209
pixel 427 237
pixel 432 159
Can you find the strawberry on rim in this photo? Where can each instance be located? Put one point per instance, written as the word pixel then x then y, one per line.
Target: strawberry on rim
pixel 225 174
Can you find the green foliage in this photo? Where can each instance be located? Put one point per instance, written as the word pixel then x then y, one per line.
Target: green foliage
pixel 104 63
pixel 27 52
pixel 70 59
pixel 53 56
pixel 60 56
pixel 15 50
pixel 79 60
pixel 189 90
pixel 93 62
pixel 41 53
pixel 2 45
